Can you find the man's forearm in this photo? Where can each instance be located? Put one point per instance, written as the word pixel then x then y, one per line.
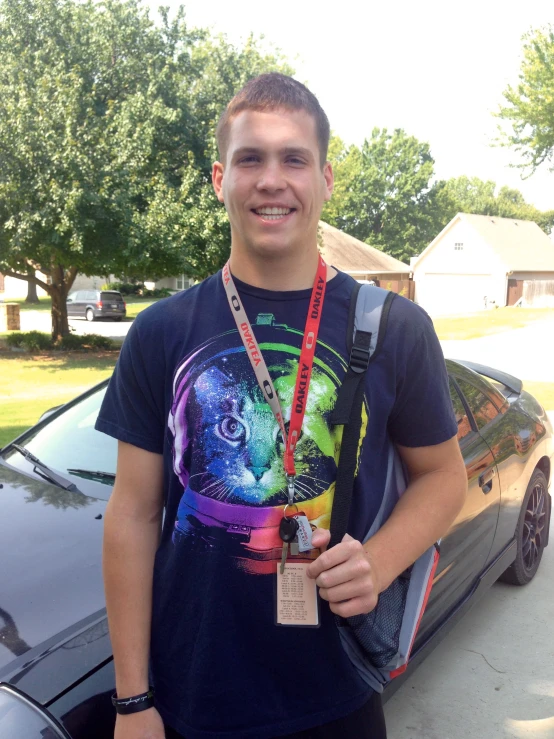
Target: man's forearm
pixel 423 514
pixel 130 546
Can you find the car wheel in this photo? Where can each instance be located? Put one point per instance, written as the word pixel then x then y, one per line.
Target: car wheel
pixel 531 532
pixel 90 314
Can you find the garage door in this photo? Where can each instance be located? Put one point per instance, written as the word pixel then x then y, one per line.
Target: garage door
pixel 444 294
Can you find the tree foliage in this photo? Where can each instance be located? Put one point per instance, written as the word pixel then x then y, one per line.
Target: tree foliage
pixel 472 195
pixel 106 142
pixel 529 108
pixel 383 192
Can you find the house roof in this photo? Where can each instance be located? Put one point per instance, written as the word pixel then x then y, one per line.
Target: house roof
pixel 353 256
pixel 522 246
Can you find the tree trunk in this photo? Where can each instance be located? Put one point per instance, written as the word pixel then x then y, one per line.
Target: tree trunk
pixel 60 324
pixel 32 296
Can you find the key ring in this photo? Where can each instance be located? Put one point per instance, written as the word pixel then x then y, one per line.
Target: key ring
pixel 289 505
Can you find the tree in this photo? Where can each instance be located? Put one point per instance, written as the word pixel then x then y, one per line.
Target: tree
pixel 105 148
pixel 383 193
pixel 472 195
pixel 529 111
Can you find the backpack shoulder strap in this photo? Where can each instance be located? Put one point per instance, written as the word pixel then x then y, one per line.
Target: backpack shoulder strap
pixel 367 323
pixel 369 310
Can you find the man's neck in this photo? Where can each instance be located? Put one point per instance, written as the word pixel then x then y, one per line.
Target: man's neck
pixel 278 274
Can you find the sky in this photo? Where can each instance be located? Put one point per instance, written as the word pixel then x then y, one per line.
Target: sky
pixel 434 68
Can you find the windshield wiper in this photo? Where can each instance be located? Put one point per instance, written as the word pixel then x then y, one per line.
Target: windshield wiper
pixel 44 471
pixel 98 475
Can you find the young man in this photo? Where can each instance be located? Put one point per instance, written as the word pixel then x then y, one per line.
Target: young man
pixel 193 593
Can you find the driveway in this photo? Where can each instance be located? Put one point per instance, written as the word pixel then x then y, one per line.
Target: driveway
pixel 34 320
pixel 493 676
pixel 527 353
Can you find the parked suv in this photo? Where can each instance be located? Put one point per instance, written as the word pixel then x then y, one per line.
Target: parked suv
pixel 91 304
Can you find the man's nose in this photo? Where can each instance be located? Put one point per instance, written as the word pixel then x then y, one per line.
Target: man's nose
pixel 271 178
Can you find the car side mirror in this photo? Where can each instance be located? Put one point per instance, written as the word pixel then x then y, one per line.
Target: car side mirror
pixel 69 300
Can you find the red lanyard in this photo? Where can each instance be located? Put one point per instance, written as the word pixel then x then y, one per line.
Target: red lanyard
pixel 305 363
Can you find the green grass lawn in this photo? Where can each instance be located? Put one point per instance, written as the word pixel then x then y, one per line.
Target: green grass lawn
pixel 33 384
pixel 474 325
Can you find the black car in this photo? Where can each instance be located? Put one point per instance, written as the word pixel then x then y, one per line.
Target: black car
pixel 56 667
pixel 93 304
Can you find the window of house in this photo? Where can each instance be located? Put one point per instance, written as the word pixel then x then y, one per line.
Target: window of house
pixel 464 425
pixel 181 282
pixel 458 246
pixel 483 408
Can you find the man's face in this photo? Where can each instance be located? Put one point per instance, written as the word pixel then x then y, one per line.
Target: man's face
pixel 272 182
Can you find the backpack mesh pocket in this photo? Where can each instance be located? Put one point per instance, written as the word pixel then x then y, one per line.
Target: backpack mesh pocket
pixel 378 632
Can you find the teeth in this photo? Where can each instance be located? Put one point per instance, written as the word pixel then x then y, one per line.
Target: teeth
pixel 273 211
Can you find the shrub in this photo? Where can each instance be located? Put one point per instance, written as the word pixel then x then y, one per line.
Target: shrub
pixel 14 339
pixel 35 341
pixel 95 341
pixel 125 288
pixel 160 292
pixel 70 342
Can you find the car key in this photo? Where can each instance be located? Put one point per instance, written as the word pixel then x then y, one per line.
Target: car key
pixel 287 531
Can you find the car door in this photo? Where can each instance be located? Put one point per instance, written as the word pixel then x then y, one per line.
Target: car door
pixel 466 547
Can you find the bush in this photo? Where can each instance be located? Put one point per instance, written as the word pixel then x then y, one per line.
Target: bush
pixel 73 342
pixel 95 341
pixel 14 339
pixel 35 341
pixel 160 292
pixel 125 288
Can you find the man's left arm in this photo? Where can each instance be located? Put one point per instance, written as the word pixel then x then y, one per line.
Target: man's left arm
pixel 351 575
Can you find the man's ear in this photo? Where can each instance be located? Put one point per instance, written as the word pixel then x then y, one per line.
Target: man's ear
pixel 217 180
pixel 329 178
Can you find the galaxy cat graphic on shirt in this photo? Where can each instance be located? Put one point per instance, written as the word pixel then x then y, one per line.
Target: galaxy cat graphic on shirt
pixel 228 448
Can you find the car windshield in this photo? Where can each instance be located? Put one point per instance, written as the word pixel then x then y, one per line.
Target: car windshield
pixel 69 444
pixel 111 296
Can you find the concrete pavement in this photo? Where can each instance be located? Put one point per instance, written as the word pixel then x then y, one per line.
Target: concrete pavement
pixel 493 676
pixel 35 320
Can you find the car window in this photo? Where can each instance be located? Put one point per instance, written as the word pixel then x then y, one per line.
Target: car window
pixel 483 408
pixel 462 419
pixel 72 296
pixel 80 295
pixel 111 296
pixel 70 441
pixel 91 295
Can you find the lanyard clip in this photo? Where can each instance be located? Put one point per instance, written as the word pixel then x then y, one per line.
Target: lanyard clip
pixel 290 489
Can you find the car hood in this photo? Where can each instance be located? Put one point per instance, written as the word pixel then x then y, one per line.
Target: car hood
pixel 51 576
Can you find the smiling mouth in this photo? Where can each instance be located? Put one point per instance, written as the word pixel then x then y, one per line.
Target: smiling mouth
pixel 273 214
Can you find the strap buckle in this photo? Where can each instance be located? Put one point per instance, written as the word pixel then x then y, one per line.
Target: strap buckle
pixel 359 359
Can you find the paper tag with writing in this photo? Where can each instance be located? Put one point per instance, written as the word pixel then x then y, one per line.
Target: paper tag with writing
pixel 296 596
pixel 304 533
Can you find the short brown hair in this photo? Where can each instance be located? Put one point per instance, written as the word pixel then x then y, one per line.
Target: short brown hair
pixel 269 92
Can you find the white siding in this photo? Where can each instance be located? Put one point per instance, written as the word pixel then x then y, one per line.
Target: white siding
pixel 460 274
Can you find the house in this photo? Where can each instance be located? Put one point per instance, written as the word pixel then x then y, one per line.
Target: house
pixel 364 262
pixel 479 262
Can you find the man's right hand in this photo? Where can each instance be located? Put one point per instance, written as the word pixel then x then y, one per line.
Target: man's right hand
pixel 143 725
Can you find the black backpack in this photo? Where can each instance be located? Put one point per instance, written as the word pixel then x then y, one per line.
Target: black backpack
pixel 378 643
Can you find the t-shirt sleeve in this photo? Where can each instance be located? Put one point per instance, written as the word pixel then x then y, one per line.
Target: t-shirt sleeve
pixel 133 407
pixel 422 414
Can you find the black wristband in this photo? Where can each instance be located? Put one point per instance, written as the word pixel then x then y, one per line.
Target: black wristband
pixel 134 704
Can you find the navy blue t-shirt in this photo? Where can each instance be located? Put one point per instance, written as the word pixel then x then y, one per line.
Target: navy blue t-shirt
pixel 183 387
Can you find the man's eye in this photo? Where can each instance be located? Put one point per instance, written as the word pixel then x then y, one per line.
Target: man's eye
pixel 232 429
pixel 249 160
pixel 295 161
